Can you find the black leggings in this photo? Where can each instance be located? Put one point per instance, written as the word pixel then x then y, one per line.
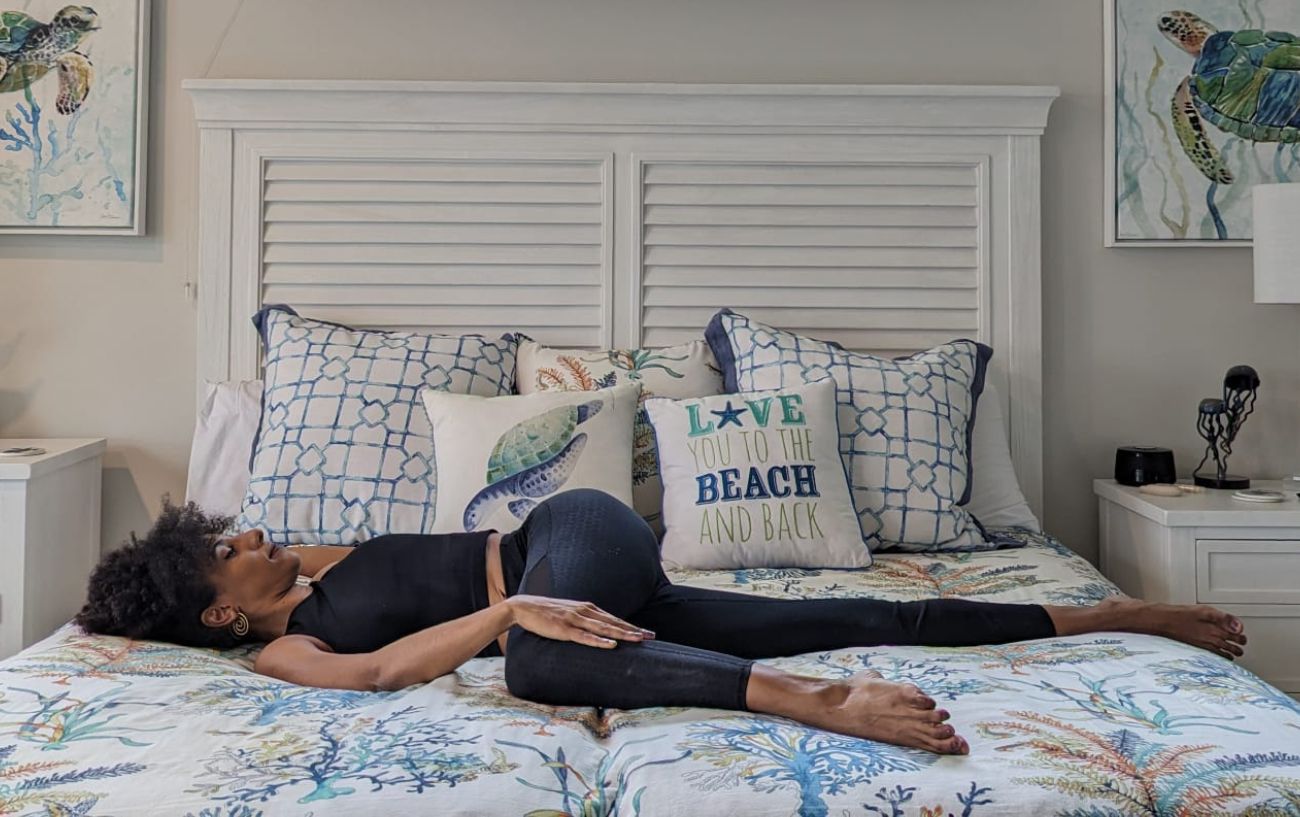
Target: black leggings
pixel 586 546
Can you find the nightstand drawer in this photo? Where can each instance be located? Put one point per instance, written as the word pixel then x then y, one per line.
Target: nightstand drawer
pixel 1248 571
pixel 1273 651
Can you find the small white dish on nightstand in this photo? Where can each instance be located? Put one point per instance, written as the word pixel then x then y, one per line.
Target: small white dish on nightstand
pixel 1259 495
pixel 20 451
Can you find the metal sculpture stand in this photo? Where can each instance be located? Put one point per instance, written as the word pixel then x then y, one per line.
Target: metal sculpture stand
pixel 1219 419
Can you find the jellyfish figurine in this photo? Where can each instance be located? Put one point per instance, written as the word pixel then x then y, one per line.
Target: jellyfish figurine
pixel 1218 419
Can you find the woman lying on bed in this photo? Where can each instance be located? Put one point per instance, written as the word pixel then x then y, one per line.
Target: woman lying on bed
pixel 577 602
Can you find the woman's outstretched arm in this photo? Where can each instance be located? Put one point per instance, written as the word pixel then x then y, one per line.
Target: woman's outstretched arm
pixel 438 650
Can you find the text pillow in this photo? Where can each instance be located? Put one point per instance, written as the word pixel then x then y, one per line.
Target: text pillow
pixel 687 370
pixel 501 456
pixel 755 480
pixel 344 451
pixel 905 425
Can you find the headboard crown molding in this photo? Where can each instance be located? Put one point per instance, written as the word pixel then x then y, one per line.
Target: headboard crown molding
pixel 983 109
pixel 889 218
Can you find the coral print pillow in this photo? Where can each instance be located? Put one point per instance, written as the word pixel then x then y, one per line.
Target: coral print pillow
pixel 343 451
pixel 501 456
pixel 687 370
pixel 905 425
pixel 755 480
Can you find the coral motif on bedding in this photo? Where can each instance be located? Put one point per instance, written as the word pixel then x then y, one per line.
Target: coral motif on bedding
pixel 1086 726
pixel 774 756
pixel 905 425
pixel 344 451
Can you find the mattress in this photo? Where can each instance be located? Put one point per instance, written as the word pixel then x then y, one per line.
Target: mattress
pixel 1099 725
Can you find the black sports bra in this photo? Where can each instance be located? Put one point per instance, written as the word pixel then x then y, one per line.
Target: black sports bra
pixel 394 585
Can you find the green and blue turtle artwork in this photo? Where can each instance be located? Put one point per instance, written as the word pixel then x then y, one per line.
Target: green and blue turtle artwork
pixel 531 461
pixel 30 49
pixel 1206 105
pixel 1245 83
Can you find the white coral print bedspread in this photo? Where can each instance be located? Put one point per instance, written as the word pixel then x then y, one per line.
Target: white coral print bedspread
pixel 1092 726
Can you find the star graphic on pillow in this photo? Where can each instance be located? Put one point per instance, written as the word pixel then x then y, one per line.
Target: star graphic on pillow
pixel 729 415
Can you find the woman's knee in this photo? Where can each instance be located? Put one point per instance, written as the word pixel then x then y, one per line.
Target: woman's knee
pixel 589 501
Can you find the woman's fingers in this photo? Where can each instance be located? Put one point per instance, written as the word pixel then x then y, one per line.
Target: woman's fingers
pixel 591 639
pixel 602 627
pixel 597 613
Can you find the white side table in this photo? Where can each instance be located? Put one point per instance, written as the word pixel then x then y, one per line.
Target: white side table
pixel 49 536
pixel 1209 548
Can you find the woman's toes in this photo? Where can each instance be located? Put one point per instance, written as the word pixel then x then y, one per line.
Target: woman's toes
pixel 919 700
pixel 952 746
pixel 944 730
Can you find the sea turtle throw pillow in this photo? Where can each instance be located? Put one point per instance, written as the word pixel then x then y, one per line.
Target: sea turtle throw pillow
pixel 755 480
pixel 343 450
pixel 501 456
pixel 905 424
pixel 685 370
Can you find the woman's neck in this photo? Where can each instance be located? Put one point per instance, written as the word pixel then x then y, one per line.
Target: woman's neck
pixel 273 625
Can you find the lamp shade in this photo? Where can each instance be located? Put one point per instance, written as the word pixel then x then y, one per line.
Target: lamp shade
pixel 1277 243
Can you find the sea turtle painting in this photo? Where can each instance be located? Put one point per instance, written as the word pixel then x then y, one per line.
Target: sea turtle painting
pixel 531 461
pixel 1245 83
pixel 30 49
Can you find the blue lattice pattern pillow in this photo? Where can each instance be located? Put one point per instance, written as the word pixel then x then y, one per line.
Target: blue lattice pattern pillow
pixel 905 425
pixel 344 451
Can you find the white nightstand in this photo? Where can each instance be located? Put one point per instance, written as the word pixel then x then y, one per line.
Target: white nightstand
pixel 1209 548
pixel 49 536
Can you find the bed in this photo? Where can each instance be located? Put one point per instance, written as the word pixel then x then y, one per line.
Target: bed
pixel 887 218
pixel 1100 725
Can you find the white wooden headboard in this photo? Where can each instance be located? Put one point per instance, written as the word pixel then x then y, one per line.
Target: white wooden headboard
pixel 886 217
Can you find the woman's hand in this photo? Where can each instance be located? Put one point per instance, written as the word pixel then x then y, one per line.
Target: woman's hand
pixel 567 620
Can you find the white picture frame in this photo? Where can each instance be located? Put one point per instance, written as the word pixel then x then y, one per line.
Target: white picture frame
pixel 133 221
pixel 1226 16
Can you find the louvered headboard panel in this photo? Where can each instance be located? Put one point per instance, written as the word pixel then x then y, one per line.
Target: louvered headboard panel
pixel 883 257
pixel 467 245
pixel 888 218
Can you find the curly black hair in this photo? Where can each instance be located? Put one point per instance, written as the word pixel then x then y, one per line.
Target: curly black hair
pixel 157 587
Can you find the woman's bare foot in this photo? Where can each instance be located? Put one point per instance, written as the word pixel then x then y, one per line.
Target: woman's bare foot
pixel 863 706
pixel 1199 625
pixel 895 713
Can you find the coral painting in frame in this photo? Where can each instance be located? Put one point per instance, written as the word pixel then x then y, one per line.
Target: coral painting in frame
pixel 73 118
pixel 1203 102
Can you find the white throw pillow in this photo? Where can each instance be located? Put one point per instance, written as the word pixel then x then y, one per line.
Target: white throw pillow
pixel 224 432
pixel 995 496
pixel 686 370
pixel 756 480
pixel 500 456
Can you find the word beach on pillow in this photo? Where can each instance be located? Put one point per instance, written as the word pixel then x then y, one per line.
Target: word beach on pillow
pixel 343 451
pixel 501 456
pixel 905 424
pixel 755 480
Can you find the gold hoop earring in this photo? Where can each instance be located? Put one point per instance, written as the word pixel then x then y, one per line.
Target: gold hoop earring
pixel 240 627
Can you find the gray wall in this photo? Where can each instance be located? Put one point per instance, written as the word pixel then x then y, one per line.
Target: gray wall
pixel 97 335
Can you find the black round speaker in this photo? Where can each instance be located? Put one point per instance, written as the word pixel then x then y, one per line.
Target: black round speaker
pixel 1143 465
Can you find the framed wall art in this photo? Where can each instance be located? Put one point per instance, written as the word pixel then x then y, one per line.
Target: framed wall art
pixel 73 116
pixel 1202 103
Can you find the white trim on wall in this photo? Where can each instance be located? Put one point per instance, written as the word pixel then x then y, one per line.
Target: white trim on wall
pixel 936 218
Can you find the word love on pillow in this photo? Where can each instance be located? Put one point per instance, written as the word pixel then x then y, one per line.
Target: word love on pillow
pixel 755 480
